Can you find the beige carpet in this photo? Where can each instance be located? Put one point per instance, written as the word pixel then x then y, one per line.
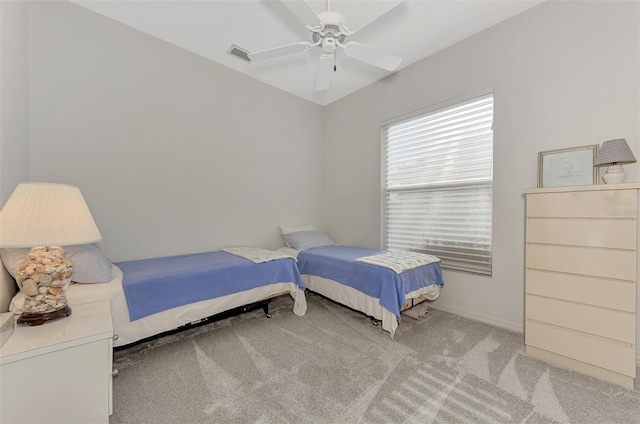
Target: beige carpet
pixel 334 366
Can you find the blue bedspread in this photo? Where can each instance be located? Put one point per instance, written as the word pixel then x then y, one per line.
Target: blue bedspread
pixel 154 285
pixel 337 263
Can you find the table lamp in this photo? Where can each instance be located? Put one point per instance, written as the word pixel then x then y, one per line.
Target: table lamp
pixel 45 216
pixel 614 154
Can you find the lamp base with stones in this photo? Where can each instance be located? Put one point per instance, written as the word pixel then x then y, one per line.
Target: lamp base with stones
pixel 44 278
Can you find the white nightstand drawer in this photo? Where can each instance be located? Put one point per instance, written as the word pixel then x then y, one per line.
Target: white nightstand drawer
pixel 59 371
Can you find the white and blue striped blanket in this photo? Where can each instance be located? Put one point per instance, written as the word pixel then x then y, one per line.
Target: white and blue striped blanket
pixel 399 260
pixel 258 255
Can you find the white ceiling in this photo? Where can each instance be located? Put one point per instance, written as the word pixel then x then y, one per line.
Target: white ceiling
pixel 410 29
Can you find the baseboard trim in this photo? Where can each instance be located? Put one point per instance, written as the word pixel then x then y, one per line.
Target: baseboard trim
pixel 481 318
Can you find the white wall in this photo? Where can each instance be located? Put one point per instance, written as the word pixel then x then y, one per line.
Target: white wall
pixel 14 112
pixel 564 74
pixel 173 153
pixel 14 97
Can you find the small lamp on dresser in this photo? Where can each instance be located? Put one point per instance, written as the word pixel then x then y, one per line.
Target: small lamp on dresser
pixel 614 154
pixel 46 216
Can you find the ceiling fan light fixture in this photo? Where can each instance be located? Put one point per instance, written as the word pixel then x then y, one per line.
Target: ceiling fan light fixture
pixel 329 45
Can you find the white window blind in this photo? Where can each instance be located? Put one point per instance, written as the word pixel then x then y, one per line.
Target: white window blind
pixel 438 178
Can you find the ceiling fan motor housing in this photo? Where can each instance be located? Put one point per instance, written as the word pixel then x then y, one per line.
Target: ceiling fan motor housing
pixel 329 30
pixel 332 27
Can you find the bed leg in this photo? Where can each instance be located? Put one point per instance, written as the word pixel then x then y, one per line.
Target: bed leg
pixel 265 308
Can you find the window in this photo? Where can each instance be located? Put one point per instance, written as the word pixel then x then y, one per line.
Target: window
pixel 438 179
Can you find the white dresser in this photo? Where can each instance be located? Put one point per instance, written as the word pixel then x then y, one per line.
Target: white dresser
pixel 59 372
pixel 581 265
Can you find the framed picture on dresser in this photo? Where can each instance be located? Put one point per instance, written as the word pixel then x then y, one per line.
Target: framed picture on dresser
pixel 568 167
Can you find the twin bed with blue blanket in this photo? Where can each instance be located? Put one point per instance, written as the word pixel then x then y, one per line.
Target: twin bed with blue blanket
pixel 159 284
pixel 153 296
pixel 376 282
pixel 165 293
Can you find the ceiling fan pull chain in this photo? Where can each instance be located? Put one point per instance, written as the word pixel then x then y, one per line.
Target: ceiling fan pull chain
pixel 334 59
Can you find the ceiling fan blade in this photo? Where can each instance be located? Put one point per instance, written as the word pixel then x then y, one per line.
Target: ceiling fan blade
pixel 369 55
pixel 303 12
pixel 323 72
pixel 278 51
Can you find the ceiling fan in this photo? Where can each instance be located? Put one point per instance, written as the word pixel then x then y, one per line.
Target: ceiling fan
pixel 328 31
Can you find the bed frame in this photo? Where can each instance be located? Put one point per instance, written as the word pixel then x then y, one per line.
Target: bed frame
pixel 261 304
pixel 368 305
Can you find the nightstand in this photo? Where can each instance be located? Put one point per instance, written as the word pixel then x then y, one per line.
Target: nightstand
pixel 60 371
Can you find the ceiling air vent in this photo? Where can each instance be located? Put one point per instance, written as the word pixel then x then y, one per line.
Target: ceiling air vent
pixel 239 52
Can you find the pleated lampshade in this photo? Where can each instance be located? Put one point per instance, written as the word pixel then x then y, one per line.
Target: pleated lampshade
pixel 46 214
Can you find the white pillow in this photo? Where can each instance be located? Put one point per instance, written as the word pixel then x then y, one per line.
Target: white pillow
pixel 286 229
pixel 301 240
pixel 90 265
pixel 12 258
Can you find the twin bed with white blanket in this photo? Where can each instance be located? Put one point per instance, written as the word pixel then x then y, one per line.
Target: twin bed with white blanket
pixel 152 296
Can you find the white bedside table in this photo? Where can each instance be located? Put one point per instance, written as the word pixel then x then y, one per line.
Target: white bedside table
pixel 59 372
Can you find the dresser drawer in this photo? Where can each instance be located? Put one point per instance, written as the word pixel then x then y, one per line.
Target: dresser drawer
pixel 609 233
pixel 613 356
pixel 614 294
pixel 607 263
pixel 603 322
pixel 584 204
